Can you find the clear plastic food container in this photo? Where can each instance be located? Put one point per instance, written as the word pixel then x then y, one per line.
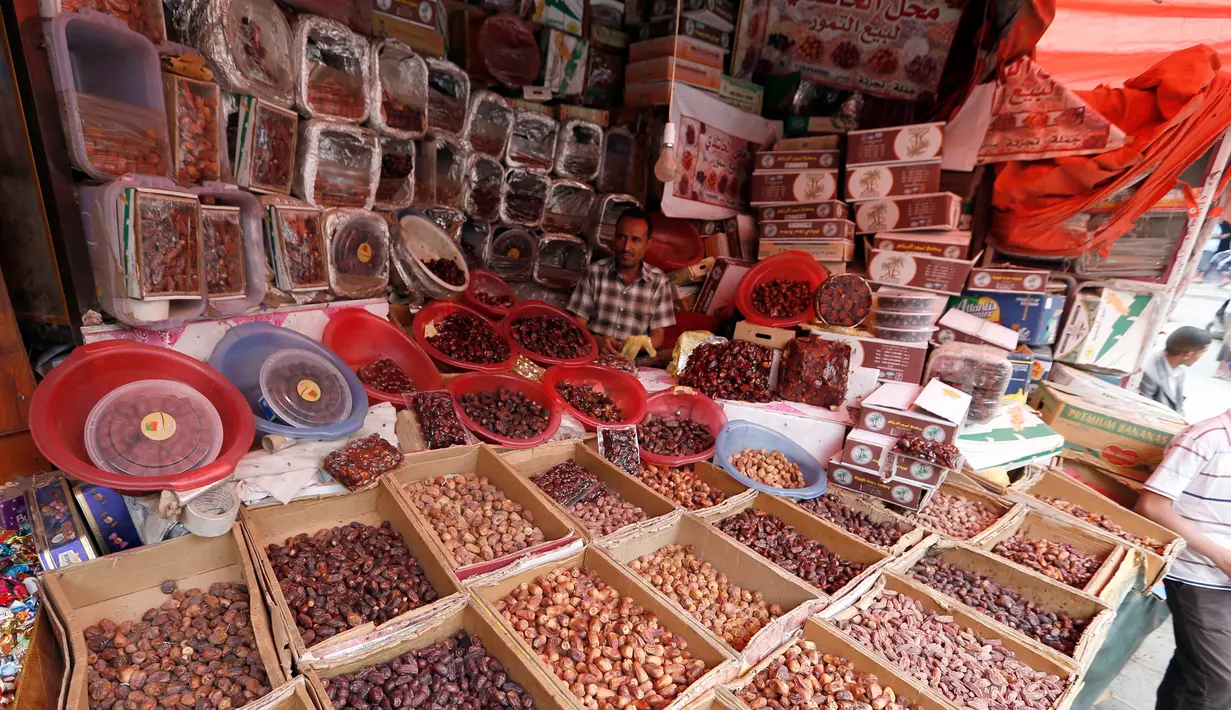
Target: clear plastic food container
pixel 981 371
pixel 532 144
pixel 523 197
pixel 903 335
pixel 303 389
pixel 248 43
pixel 358 243
pixel 153 428
pixel 420 241
pixel 902 319
pixel 331 70
pixel 899 300
pixel 615 170
pixel 396 188
pixel 561 260
pixel 513 256
pixel 448 97
pixel 488 124
pixel 398 90
pixel 484 180
pixel 476 243
pixel 451 162
pixel 568 207
pixel 579 150
pixel 338 164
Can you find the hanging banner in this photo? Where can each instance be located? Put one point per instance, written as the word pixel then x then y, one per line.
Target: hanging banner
pixel 891 48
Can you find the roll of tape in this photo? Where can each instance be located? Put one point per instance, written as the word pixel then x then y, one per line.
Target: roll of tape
pixel 212 513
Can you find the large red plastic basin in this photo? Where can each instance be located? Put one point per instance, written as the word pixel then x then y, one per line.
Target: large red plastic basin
pixel 675 244
pixel 483 281
pixel 685 403
pixel 791 265
pixel 625 390
pixel 538 309
pixel 485 382
pixel 63 401
pixel 439 310
pixel 361 338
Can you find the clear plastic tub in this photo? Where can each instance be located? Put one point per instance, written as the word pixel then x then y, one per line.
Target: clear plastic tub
pixel 448 98
pixel 579 150
pixel 532 144
pixel 419 241
pixel 153 428
pixel 909 301
pixel 489 122
pixel 248 43
pixel 358 245
pixel 561 260
pixel 735 436
pixel 332 67
pixel 523 197
pixel 514 253
pixel 981 371
pixel 396 188
pixel 476 243
pixel 303 389
pixel 144 16
pixel 452 159
pixel 568 207
pixel 843 300
pixel 252 226
pixel 615 171
pixel 109 85
pixel 484 181
pixel 398 90
pixel 448 219
pixel 903 335
pixel 902 319
pixel 338 164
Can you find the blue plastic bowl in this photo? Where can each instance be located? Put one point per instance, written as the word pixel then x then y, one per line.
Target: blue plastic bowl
pixel 737 435
pixel 242 351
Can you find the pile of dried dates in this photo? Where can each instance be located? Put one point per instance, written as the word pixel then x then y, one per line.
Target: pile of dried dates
pixel 814 371
pixel 506 412
pixel 591 401
pixel 673 436
pixel 938 452
pixel 446 270
pixel 362 461
pixel 551 336
pixel 466 338
pixel 387 376
pixel 782 298
pixel 731 370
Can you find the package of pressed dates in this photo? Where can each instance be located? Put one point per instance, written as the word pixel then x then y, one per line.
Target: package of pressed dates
pixel 358 244
pixel 396 189
pixel 331 80
pixel 397 90
pixel 448 98
pixel 248 43
pixel 338 165
pixel 513 254
pixel 230 263
pixel 476 243
pixel 222 245
pixel 162 245
pixel 561 260
pixel 484 179
pixel 532 143
pixel 489 120
pixel 814 371
pixel 112 103
pixel 579 150
pixel 568 206
pixel 266 138
pixel 451 163
pixel 615 168
pixel 618 444
pixel 295 240
pixel 523 197
pixel 195 127
pixel 144 16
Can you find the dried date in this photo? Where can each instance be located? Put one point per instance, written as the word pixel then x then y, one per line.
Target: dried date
pixel 619 446
pixel 940 453
pixel 569 482
pixel 473 519
pixel 466 338
pixel 446 270
pixel 681 485
pixel 506 412
pixel 803 677
pixel 783 545
pixel 591 401
pixel 1058 560
pixel 1105 522
pixel 673 436
pixel 362 461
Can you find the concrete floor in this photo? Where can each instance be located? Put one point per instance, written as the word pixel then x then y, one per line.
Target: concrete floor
pixel 1135 687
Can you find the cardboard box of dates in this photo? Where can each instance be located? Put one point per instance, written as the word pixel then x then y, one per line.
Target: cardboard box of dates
pixel 850 510
pixel 1067 683
pixel 503 481
pixel 720 666
pixel 325 522
pixel 1056 492
pixel 532 462
pixel 1023 586
pixel 462 615
pixel 743 568
pixel 93 597
pixel 1113 569
pixel 1005 510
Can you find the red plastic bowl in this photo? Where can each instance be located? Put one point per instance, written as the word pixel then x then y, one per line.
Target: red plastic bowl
pixel 541 308
pixel 484 382
pixel 438 310
pixel 675 244
pixel 794 265
pixel 624 389
pixel 482 280
pixel 63 401
pixel 689 404
pixel 361 338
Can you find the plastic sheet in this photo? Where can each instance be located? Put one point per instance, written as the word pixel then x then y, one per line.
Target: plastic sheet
pixel 484 180
pixel 615 170
pixel 144 16
pixel 561 260
pixel 358 243
pixel 510 52
pixel 297 248
pixel 398 90
pixel 448 97
pixel 449 220
pixel 532 144
pixel 579 150
pixel 523 197
pixel 332 70
pixel 193 109
pixel 266 139
pixel 568 207
pixel 338 165
pixel 248 43
pixel 475 241
pixel 489 121
pixel 396 189
pixel 513 255
pixel 451 163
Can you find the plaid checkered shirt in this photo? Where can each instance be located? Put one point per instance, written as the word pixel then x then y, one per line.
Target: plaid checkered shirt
pixel 615 308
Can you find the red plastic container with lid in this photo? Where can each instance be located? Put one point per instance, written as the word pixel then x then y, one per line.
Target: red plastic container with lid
pixel 676 243
pixel 625 390
pixel 63 402
pixel 361 338
pixel 484 281
pixel 438 311
pixel 790 265
pixel 485 382
pixel 534 309
pixel 684 403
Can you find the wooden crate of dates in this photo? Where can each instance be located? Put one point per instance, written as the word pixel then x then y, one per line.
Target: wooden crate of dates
pixel 963 512
pixel 829 559
pixel 102 602
pixel 1068 551
pixel 821 655
pixel 692 487
pixel 401 668
pixel 639 623
pixel 1061 621
pixel 744 602
pixel 864 518
pixel 324 559
pixel 517 520
pixel 616 502
pixel 942 644
pixel 1064 495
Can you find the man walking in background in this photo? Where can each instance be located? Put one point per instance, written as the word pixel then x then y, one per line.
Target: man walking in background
pixel 1162 379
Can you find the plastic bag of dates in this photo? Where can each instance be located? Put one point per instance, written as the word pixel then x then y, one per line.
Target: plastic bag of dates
pixel 618 444
pixel 488 124
pixel 981 371
pixel 814 371
pixel 193 109
pixel 398 90
pixel 448 97
pixel 438 422
pixel 362 461
pixel 396 189
pixel 333 70
pixel 338 165
pixel 732 369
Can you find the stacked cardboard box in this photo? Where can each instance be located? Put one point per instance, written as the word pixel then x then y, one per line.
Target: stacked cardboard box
pixel 796 194
pixel 687 44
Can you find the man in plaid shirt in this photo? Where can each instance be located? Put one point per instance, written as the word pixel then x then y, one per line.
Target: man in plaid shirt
pixel 621 296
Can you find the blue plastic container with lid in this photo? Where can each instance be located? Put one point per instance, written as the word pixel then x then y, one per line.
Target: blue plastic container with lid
pixel 242 352
pixel 737 435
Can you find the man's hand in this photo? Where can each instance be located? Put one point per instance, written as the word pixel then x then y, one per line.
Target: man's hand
pixel 609 345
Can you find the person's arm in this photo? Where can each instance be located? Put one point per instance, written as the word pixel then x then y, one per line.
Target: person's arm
pixel 1149 387
pixel 583 301
pixel 1185 458
pixel 1161 510
pixel 663 315
pixel 657 336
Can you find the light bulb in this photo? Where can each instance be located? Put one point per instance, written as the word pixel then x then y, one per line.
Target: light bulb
pixel 666 167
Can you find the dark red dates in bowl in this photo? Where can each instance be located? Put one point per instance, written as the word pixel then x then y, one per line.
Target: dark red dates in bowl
pixel 489 404
pixel 460 339
pixel 547 335
pixel 567 386
pixel 681 404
